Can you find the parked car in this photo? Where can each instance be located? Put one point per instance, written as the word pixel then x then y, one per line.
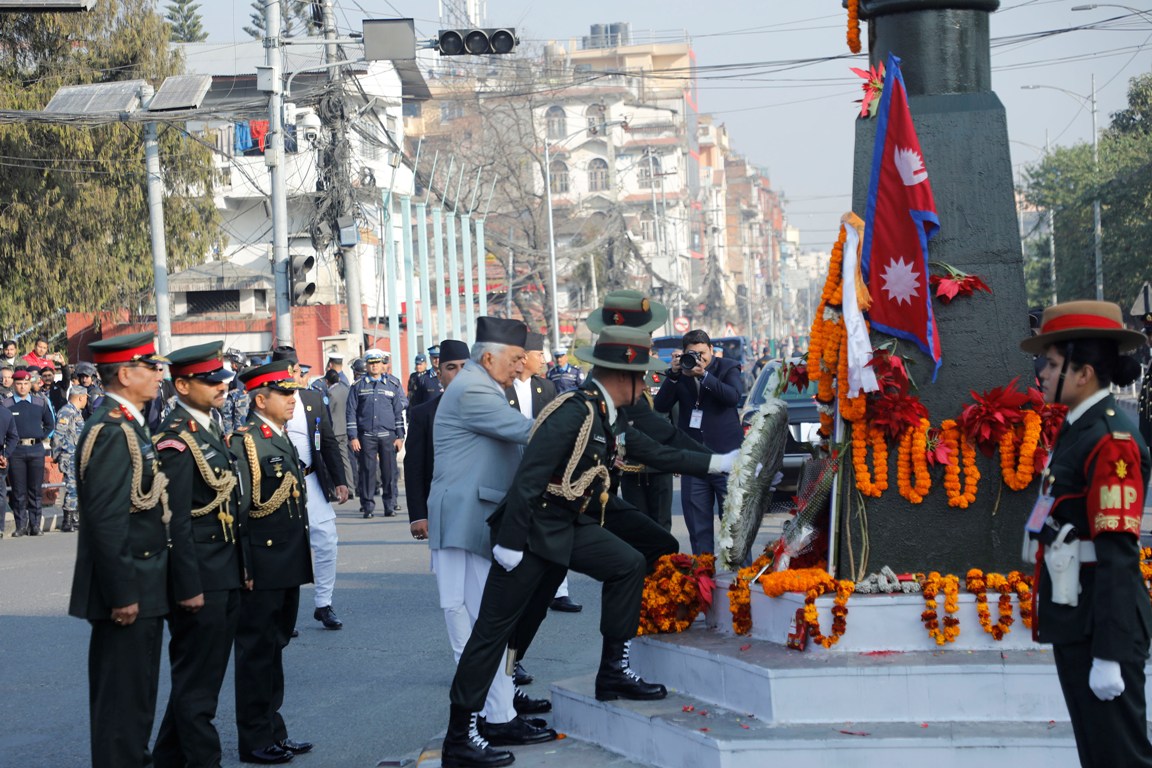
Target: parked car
pixel 803 421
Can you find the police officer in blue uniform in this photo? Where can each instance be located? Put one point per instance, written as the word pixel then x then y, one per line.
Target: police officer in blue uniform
pixel 34 424
pixel 375 414
pixel 563 375
pixel 426 385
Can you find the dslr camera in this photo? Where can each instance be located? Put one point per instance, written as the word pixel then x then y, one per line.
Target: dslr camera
pixel 689 360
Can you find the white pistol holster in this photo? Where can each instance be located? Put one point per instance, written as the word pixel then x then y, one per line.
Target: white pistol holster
pixel 1062 558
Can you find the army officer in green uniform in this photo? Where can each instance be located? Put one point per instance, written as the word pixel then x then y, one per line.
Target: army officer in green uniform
pixel 552 519
pixel 205 562
pixel 278 558
pixel 121 575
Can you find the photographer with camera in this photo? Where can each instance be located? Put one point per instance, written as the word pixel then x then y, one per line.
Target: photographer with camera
pixel 707 388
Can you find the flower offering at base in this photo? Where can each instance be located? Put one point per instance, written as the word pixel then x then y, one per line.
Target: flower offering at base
pixel 677 591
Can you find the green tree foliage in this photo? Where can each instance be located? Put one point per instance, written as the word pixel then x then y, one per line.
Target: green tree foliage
pixel 185 22
pixel 1067 182
pixel 295 18
pixel 74 231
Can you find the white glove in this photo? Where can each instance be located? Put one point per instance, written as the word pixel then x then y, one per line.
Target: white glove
pixel 1105 680
pixel 721 463
pixel 508 558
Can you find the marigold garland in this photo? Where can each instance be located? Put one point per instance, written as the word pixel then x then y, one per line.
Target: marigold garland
pixel 978 584
pixel 1146 567
pixel 862 434
pixel 933 584
pixel 1022 586
pixel 912 478
pixel 844 589
pixel 739 594
pixel 674 593
pixel 854 26
pixel 1017 465
pixel 961 454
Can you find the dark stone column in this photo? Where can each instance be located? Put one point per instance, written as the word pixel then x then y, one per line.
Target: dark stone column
pixel 943 45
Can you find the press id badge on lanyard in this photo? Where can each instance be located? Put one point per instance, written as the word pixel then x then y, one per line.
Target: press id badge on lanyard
pixel 1043 506
pixel 696 419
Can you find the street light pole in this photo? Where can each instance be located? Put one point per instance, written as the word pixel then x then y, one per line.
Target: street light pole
pixel 1097 231
pixel 551 246
pixel 1097 226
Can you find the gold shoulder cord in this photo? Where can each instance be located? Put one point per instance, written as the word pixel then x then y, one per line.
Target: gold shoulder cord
pixel 222 486
pixel 140 502
pixel 566 488
pixel 287 486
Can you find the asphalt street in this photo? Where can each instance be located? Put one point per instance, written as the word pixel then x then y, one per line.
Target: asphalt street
pixel 375 691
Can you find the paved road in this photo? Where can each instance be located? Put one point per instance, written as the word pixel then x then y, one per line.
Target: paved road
pixel 376 690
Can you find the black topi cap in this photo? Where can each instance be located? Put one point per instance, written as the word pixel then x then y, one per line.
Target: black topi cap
pixel 501 330
pixel 452 349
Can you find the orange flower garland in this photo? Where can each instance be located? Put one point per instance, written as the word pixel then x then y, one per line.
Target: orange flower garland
pixel 960 452
pixel 1146 567
pixel 739 594
pixel 933 584
pixel 1021 585
pixel 824 338
pixel 844 589
pixel 854 26
pixel 1018 471
pixel 912 478
pixel 978 584
pixel 671 599
pixel 862 434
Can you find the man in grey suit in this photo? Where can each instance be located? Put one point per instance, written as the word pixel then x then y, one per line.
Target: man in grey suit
pixel 478 441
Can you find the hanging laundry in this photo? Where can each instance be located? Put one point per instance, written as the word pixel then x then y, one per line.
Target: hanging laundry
pixel 259 129
pixel 242 141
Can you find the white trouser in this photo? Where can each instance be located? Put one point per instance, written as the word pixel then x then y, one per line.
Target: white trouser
pixel 322 536
pixel 460 577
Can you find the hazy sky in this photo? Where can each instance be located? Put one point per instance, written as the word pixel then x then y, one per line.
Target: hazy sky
pixel 797 122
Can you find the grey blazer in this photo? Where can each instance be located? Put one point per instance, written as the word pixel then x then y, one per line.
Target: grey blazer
pixel 478 441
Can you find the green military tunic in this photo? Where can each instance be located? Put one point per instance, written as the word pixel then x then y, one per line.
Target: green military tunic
pixel 121 559
pixel 278 559
pixel 205 499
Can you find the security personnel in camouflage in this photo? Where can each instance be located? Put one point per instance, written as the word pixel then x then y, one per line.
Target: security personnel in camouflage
pixel 234 411
pixel 278 559
pixel 120 585
pixel 69 423
pixel 205 559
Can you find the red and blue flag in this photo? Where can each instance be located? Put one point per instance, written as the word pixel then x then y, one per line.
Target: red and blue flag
pixel 899 220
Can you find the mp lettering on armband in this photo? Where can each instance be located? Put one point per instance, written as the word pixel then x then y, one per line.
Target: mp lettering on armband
pixel 1116 501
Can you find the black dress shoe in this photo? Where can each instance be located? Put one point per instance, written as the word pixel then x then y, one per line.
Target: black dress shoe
pixel 521 676
pixel 565 605
pixel 526 705
pixel 295 632
pixel 272 755
pixel 516 732
pixel 368 515
pixel 389 512
pixel 34 531
pixel 19 532
pixel 295 747
pixel 327 617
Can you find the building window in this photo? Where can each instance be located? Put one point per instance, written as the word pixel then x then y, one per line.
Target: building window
pixel 598 175
pixel 451 110
pixel 559 173
pixel 647 226
pixel 595 114
pixel 557 123
pixel 649 171
pixel 213 302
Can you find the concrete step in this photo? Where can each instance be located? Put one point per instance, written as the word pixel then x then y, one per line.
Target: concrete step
pixel 782 686
pixel 686 732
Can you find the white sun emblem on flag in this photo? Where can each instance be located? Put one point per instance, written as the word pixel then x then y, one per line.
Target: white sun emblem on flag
pixel 900 282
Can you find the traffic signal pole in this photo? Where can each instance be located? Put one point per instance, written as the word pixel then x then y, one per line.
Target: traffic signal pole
pixel 274 159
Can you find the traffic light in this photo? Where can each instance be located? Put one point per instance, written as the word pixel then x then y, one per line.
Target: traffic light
pixel 476 42
pixel 302 285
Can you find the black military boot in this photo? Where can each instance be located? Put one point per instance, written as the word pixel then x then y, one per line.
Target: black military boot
pixel 69 524
pixel 464 747
pixel 616 680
